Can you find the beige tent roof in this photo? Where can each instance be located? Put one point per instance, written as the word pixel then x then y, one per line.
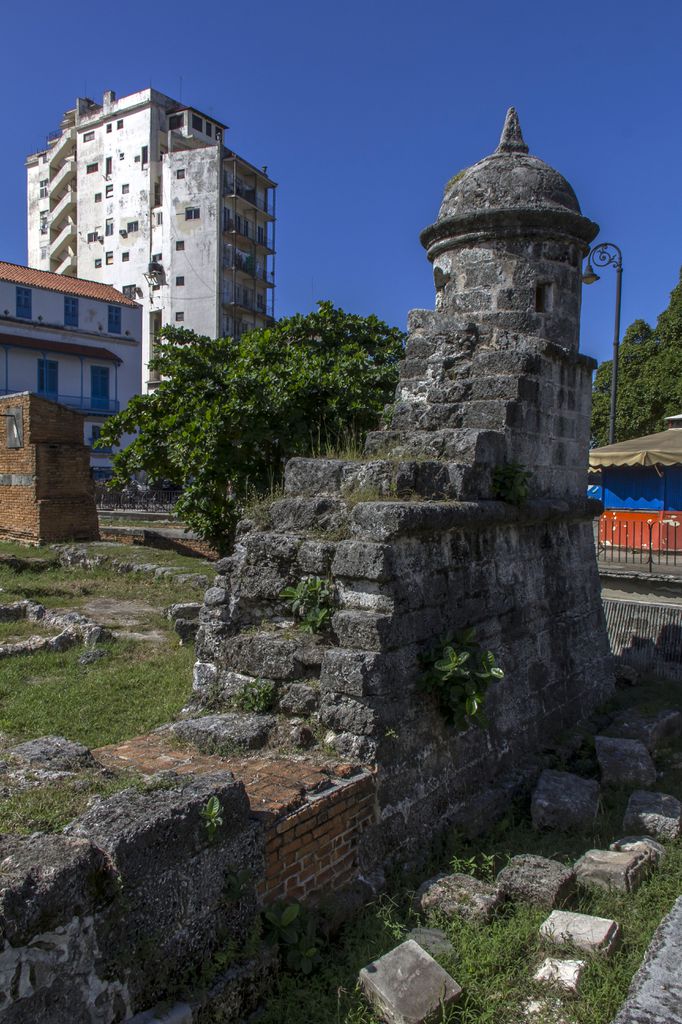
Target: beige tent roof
pixel 664 449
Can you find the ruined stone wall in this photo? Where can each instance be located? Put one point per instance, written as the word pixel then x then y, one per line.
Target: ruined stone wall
pixel 46 491
pixel 126 909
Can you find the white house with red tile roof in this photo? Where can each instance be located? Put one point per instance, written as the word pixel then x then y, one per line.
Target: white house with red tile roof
pixel 77 342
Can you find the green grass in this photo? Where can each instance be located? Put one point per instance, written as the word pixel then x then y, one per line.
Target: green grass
pixel 12 632
pixel 72 588
pixel 51 806
pixel 139 686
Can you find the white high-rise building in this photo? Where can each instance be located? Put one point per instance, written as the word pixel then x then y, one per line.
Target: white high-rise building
pixel 142 193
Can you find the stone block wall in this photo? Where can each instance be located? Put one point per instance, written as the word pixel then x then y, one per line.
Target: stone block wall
pixel 128 907
pixel 46 490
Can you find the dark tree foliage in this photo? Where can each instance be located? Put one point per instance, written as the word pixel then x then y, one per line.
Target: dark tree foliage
pixel 649 377
pixel 229 413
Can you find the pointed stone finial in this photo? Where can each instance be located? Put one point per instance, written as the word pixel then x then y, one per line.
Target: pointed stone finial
pixel 511 139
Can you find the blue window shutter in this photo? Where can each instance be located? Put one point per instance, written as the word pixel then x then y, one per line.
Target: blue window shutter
pixel 24 303
pixel 114 319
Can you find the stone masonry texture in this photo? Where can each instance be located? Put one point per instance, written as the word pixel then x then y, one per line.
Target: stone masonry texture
pixel 46 490
pixel 417 544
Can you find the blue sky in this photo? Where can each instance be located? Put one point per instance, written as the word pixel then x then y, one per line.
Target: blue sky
pixel 362 110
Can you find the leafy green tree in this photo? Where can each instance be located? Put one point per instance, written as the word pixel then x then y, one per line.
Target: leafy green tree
pixel 229 413
pixel 649 377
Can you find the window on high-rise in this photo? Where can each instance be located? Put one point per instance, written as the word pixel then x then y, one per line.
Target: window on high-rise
pixel 98 197
pixel 108 258
pixel 125 257
pixel 109 227
pixel 88 136
pixel 175 121
pixel 99 386
pixel 43 188
pixel 192 213
pixel 109 191
pixel 91 168
pixel 145 155
pixel 108 166
pixel 179 246
pixel 125 189
pixel 197 123
pixel 119 124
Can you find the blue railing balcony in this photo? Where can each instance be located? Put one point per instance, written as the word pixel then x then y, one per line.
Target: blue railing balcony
pixel 86 403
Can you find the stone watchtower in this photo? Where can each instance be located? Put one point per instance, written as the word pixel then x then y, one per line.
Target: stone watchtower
pixel 418 544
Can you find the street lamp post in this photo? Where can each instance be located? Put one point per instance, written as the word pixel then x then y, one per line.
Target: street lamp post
pixel 606 254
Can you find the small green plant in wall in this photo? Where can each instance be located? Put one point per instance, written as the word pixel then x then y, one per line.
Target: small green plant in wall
pixel 212 815
pixel 293 930
pixel 311 602
pixel 258 695
pixel 510 483
pixel 458 673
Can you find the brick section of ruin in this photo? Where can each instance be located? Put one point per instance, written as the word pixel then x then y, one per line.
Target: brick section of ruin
pixel 417 546
pixel 314 815
pixel 46 490
pixel 314 851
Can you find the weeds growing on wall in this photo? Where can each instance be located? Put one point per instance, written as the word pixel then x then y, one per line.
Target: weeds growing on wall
pixel 458 673
pixel 311 602
pixel 510 483
pixel 258 695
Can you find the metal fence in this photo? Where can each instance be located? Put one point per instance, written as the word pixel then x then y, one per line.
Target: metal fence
pixel 645 543
pixel 151 500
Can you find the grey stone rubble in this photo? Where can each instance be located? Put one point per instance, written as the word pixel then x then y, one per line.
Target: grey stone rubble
pixel 641 844
pixel 564 801
pixel 562 974
pixel 407 986
pixel 593 934
pixel 537 880
pixel 416 541
pixel 80 557
pixel 216 734
pixel 54 752
pixel 623 870
pixel 624 762
pixel 654 730
pixel 459 896
pixel 655 995
pixel 655 814
pixel 74 629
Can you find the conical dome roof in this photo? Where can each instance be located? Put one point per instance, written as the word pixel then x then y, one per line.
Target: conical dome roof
pixel 510 189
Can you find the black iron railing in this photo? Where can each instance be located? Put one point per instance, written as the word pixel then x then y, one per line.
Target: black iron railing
pixel 151 500
pixel 651 543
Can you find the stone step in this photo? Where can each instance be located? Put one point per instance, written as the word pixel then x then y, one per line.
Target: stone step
pixel 656 814
pixel 407 986
pixel 223 734
pixel 459 895
pixel 622 870
pixel 593 934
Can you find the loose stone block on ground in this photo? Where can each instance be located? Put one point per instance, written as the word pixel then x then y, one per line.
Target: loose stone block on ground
pixel 653 730
pixel 624 762
pixel 657 814
pixel 593 934
pixel 407 986
pixel 564 801
pixel 216 733
pixel 537 880
pixel 613 869
pixel 563 974
pixel 641 844
pixel 459 896
pixel 54 752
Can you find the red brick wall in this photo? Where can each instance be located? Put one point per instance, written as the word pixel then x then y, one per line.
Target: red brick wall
pixel 314 850
pixel 57 500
